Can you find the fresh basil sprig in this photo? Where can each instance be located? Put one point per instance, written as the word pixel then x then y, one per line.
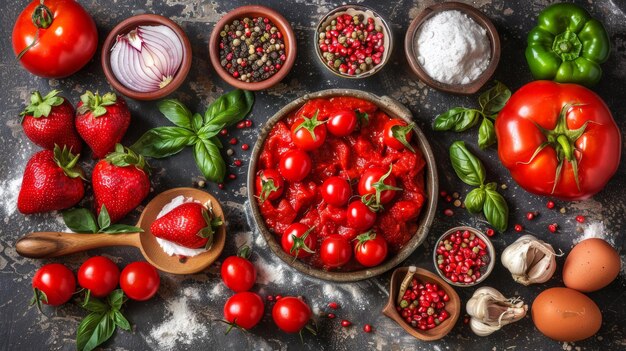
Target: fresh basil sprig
pixel 81 220
pixel 484 198
pixel 99 325
pixel 197 131
pixel 461 119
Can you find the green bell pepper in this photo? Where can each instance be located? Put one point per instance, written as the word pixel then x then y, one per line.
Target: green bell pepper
pixel 567 46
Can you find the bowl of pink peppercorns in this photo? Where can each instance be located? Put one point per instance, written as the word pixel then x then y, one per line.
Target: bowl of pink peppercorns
pixel 464 256
pixel 353 41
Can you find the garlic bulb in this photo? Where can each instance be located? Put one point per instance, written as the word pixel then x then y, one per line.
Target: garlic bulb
pixel 490 310
pixel 529 260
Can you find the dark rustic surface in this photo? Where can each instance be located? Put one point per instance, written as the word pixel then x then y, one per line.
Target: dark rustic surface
pixel 199 298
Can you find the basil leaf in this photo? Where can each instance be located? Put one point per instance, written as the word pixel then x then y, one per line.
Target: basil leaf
pixel 494 99
pixel 217 142
pixel 475 200
pixel 176 112
pixel 458 118
pixel 467 166
pixel 196 122
pixel 116 299
pixel 209 160
pixel 103 218
pixel 95 305
pixel 95 329
pixel 209 130
pixel 121 229
pixel 496 209
pixel 164 141
pixel 121 321
pixel 80 220
pixel 486 134
pixel 229 108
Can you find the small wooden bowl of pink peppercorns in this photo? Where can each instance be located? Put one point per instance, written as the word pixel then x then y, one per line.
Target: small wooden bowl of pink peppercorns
pixel 353 41
pixel 464 256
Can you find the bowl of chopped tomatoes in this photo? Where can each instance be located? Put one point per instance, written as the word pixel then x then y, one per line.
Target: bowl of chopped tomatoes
pixel 342 184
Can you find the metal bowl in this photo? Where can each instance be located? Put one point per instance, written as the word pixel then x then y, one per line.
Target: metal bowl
pixel 393 109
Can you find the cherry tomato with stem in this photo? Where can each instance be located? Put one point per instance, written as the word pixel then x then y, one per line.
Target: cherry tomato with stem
pixel 342 123
pixel 336 191
pixel 238 273
pixel 299 241
pixel 397 135
pixel 53 284
pixel 269 185
pixel 140 281
pixel 295 165
pixel 359 216
pixel 308 133
pixel 335 251
pixel 99 275
pixel 244 309
pixel 370 249
pixel 378 186
pixel 291 314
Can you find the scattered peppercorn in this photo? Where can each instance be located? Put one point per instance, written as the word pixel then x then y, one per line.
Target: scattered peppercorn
pixel 490 232
pixel 220 185
pixel 448 212
pixel 553 227
pixel 443 193
pixel 518 228
pixel 367 328
pixel 278 297
pixel 245 147
pixel 550 204
pixel 232 176
pixel 331 316
pixel 241 125
pixel 223 132
pixel 346 323
pixel 580 219
pixel 270 298
pixel 531 215
pixel 201 183
pixel 238 163
pixel 333 305
pixel 233 141
pixel 248 123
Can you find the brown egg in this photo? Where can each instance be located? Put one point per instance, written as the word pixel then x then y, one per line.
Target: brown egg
pixel 565 314
pixel 591 265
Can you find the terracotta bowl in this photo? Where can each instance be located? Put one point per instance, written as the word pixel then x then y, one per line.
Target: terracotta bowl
pixel 356 10
pixel 453 307
pixel 490 250
pixel 393 109
pixel 410 49
pixel 279 21
pixel 129 24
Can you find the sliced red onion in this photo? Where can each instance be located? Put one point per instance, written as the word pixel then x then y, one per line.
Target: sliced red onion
pixel 146 58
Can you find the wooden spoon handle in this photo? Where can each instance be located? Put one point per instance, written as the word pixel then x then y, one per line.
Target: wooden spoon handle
pixel 54 244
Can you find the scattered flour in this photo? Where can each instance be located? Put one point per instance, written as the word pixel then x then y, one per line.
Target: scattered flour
pixel 182 325
pixel 596 230
pixel 9 190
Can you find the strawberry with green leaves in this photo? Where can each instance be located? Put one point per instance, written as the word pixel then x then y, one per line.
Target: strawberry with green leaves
pixel 190 225
pixel 49 120
pixel 52 181
pixel 120 182
pixel 102 121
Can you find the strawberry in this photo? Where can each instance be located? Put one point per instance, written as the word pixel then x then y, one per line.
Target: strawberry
pixel 189 225
pixel 120 182
pixel 52 181
pixel 102 121
pixel 49 120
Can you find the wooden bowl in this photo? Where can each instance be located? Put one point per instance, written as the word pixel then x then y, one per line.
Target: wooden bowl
pixel 490 250
pixel 393 109
pixel 283 26
pixel 354 9
pixel 410 49
pixel 129 24
pixel 453 307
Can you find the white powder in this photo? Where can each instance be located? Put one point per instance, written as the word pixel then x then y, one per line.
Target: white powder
pixel 452 48
pixel 595 230
pixel 182 326
pixel 9 190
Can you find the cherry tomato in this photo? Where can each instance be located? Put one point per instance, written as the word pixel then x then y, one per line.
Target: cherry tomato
pixel 291 314
pixel 56 282
pixel 66 38
pixel 371 179
pixel 342 123
pixel 308 133
pixel 140 281
pixel 269 184
pixel 359 216
pixel 370 249
pixel 99 275
pixel 295 165
pixel 335 251
pixel 244 309
pixel 397 134
pixel 299 241
pixel 238 273
pixel 336 191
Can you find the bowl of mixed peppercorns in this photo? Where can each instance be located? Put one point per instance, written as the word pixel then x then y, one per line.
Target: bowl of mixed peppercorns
pixel 353 41
pixel 252 47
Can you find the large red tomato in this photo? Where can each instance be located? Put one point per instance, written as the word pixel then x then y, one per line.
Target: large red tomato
pixel 64 35
pixel 558 140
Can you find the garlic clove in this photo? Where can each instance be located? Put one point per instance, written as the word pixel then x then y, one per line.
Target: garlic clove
pixel 490 310
pixel 529 260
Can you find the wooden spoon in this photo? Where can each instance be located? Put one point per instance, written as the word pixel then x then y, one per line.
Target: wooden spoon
pixel 54 244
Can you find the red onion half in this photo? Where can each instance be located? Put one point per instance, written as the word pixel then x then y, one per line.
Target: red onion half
pixel 147 58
